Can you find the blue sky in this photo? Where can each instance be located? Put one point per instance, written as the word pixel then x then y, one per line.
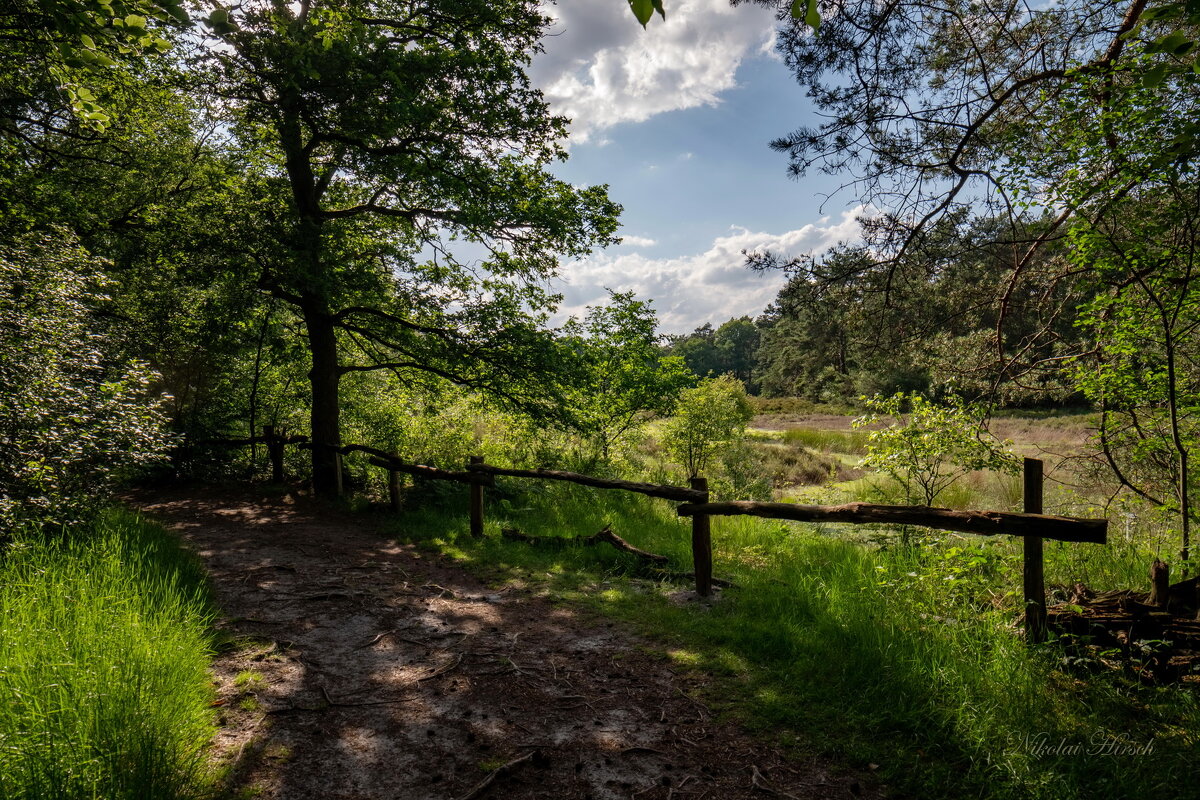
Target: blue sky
pixel 676 119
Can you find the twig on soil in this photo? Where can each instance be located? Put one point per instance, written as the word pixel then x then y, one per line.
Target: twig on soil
pixel 759 781
pixel 331 703
pixel 331 596
pixel 694 701
pixel 503 769
pixel 374 641
pixel 442 669
pixel 641 749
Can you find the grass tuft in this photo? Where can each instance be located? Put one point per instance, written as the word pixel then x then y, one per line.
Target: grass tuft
pixel 826 441
pixel 104 651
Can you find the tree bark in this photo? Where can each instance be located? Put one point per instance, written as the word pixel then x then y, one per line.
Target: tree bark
pixel 308 242
pixel 324 376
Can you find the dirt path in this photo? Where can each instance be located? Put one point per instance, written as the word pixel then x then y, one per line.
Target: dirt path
pixel 381 672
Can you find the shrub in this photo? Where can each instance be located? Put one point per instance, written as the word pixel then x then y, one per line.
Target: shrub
pixel 708 418
pixel 929 445
pixel 73 420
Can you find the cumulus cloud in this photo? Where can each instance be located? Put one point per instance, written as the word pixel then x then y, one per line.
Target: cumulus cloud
pixel 706 287
pixel 637 241
pixel 601 68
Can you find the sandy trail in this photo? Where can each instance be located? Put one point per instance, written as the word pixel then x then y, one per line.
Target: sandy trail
pixel 371 670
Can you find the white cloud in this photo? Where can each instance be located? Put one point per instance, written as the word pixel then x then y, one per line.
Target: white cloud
pixel 637 241
pixel 601 68
pixel 706 287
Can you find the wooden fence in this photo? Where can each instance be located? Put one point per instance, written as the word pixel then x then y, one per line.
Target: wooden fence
pixel 1031 525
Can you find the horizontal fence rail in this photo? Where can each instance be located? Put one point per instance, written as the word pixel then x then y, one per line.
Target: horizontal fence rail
pixel 381 458
pixel 676 493
pixel 985 523
pixel 1033 526
pixel 301 440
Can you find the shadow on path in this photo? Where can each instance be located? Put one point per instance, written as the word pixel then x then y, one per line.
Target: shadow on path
pixel 370 670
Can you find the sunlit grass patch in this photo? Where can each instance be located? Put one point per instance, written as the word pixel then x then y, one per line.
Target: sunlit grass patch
pixel 905 657
pixel 827 441
pixel 104 650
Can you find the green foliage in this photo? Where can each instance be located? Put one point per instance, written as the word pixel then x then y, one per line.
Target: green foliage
pixel 708 418
pixel 826 441
pixel 732 348
pixel 411 142
pixel 625 377
pixel 806 10
pixel 888 656
pixel 1122 163
pixel 845 325
pixel 929 445
pixel 430 424
pixel 744 471
pixel 104 648
pixel 1144 372
pixel 75 44
pixel 73 420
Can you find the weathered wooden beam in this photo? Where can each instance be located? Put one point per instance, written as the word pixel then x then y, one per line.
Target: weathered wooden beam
pixel 422 471
pixel 702 542
pixel 1160 583
pixel 393 487
pixel 677 493
pixel 275 451
pixel 1033 571
pixel 476 503
pixel 251 440
pixel 985 523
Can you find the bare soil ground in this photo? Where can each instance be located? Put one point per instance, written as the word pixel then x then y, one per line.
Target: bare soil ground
pixel 367 669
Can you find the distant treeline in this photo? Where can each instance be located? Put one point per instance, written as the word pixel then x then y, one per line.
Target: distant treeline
pixel 843 326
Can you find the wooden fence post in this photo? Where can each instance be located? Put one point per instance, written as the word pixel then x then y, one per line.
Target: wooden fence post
pixel 1033 573
pixel 394 489
pixel 477 503
pixel 275 450
pixel 702 542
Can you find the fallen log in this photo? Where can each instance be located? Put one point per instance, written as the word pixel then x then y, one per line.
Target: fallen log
pixel 1160 583
pixel 605 534
pixel 1185 595
pixel 677 493
pixel 985 523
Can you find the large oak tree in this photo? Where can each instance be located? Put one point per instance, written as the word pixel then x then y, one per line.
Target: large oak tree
pixel 408 217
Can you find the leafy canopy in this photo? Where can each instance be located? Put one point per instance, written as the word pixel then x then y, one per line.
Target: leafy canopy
pixel 709 417
pixel 929 445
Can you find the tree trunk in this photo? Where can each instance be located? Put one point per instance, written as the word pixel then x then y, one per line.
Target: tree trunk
pixel 324 376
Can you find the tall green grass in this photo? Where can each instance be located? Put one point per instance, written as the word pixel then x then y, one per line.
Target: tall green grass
pixel 104 651
pixel 908 658
pixel 825 441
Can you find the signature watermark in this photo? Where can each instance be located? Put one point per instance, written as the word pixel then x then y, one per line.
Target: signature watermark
pixel 1044 745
